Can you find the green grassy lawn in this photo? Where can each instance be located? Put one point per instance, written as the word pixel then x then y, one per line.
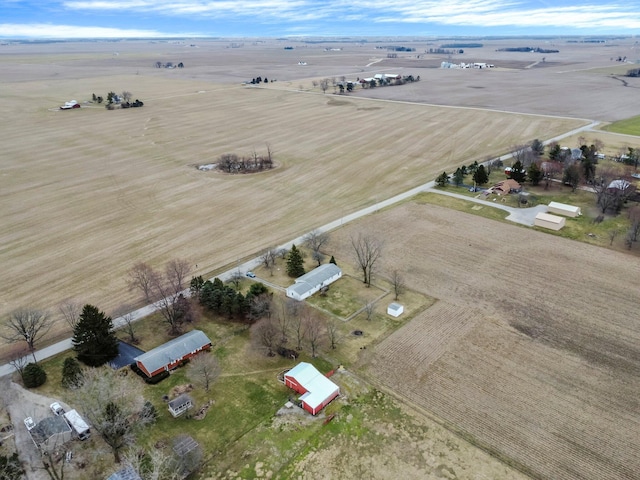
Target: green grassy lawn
pixel 629 126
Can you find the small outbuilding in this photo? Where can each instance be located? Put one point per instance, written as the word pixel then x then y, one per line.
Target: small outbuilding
pixel 50 433
pixel 171 354
pixel 311 282
pixel 395 309
pixel 564 209
pixel 546 220
pixel 316 389
pixel 180 404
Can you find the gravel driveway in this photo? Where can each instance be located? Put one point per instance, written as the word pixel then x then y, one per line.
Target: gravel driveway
pixel 22 403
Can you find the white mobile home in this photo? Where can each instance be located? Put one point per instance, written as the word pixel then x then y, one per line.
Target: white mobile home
pixel 564 209
pixel 546 220
pixel 313 281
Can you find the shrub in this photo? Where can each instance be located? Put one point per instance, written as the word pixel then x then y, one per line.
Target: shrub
pixel 34 375
pixel 71 373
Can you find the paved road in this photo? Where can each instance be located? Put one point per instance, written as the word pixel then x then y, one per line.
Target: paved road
pixel 522 216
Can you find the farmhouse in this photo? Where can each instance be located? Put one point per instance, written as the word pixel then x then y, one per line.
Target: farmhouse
pixel 313 281
pixel 169 355
pixel 316 389
pixel 506 186
pixel 564 209
pixel 546 220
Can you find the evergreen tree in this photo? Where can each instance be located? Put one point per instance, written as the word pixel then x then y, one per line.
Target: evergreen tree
pixel 295 263
pixel 333 260
pixel 554 153
pixel 442 179
pixel 71 373
pixel 34 375
pixel 93 337
pixel 535 173
pixel 458 177
pixel 480 176
pixel 518 173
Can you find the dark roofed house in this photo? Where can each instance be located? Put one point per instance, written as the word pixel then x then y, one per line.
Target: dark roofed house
pixel 171 354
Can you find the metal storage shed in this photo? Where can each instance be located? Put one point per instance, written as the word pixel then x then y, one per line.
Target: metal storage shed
pixel 564 209
pixel 546 220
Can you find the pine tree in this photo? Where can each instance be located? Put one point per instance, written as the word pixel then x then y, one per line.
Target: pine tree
pixel 34 375
pixel 442 179
pixel 295 263
pixel 71 373
pixel 458 177
pixel 93 337
pixel 480 175
pixel 333 260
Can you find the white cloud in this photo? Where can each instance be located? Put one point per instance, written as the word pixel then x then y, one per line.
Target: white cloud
pixel 43 30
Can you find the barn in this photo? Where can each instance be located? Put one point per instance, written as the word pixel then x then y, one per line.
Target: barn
pixel 317 390
pixel 564 209
pixel 311 282
pixel 171 354
pixel 546 220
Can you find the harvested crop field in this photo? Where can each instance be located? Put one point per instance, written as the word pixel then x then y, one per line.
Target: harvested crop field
pixel 532 351
pixel 89 192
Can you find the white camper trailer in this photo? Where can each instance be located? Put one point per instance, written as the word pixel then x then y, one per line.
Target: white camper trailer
pixel 78 425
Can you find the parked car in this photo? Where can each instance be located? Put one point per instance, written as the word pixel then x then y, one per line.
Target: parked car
pixel 56 408
pixel 29 423
pixel 251 275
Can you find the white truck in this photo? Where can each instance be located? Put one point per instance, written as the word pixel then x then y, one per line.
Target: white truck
pixel 78 425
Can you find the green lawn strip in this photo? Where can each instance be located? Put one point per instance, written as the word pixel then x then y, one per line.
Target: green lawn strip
pixel 629 126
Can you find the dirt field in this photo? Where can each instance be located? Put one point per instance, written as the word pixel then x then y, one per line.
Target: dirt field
pixel 88 192
pixel 531 351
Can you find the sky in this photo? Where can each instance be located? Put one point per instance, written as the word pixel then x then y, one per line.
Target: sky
pixel 55 19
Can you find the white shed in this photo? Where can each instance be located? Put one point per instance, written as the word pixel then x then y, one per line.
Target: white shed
pixel 395 309
pixel 564 209
pixel 313 281
pixel 546 220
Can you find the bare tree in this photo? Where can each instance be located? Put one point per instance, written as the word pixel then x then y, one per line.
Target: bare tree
pixel 613 233
pixel 265 335
pixel 70 310
pixel 324 84
pixel 333 333
pixel 165 292
pixel 126 96
pixel 236 278
pixel 369 310
pixel 112 403
pixel 19 361
pixel 397 283
pixel 261 306
pixel 282 253
pixel 314 241
pixel 283 321
pixel 523 154
pixel 315 331
pixel 268 259
pixel 125 313
pixel 29 325
pixel 154 464
pixel 205 369
pixel 299 320
pixel 367 251
pixel 142 278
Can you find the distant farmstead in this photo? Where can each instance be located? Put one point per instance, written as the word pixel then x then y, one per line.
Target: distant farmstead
pixel 313 281
pixel 316 389
pixel 171 354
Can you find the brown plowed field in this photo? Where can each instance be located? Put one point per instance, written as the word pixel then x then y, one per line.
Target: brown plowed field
pixel 533 350
pixel 88 192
